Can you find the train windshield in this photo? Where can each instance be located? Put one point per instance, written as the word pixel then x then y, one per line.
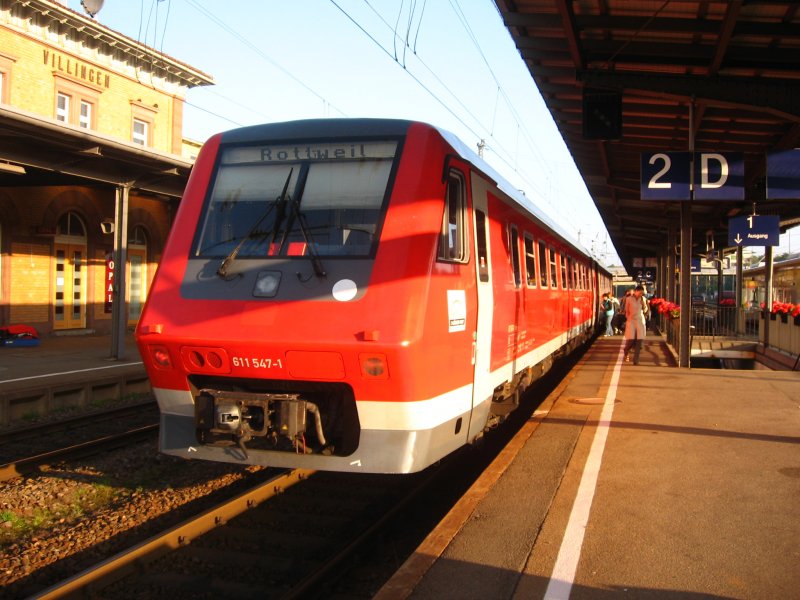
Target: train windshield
pixel 279 200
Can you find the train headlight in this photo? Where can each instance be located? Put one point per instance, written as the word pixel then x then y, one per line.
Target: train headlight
pixel 267 283
pixel 160 356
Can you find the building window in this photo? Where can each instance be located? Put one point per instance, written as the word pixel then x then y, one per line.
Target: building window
pixel 62 107
pixel 71 224
pixel 6 66
pixel 75 103
pixel 85 118
pixel 140 132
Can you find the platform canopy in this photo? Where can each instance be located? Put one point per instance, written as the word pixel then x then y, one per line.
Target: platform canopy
pixel 661 76
pixel 36 151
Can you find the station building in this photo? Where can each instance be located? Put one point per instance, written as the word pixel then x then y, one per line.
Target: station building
pixel 92 166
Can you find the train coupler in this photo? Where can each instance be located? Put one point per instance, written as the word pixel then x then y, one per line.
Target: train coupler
pixel 224 418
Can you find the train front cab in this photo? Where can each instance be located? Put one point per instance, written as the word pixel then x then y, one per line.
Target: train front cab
pixel 441 300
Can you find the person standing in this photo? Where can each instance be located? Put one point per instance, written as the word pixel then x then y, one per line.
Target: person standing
pixel 608 309
pixel 635 323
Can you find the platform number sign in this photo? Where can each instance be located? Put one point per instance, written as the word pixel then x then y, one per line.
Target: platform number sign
pixel 687 176
pixel 754 230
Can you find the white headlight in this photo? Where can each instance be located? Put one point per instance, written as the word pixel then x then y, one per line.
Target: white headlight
pixel 267 284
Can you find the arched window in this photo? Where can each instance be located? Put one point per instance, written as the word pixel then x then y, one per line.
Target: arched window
pixel 138 237
pixel 72 225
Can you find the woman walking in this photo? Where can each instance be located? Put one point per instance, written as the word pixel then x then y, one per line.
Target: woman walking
pixel 635 312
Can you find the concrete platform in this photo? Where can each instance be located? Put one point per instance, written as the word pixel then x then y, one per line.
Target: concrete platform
pixel 642 481
pixel 66 372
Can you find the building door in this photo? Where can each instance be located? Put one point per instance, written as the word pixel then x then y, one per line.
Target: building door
pixel 69 303
pixel 137 273
pixel 69 285
pixel 136 284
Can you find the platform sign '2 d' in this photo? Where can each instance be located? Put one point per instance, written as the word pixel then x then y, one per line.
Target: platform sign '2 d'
pixel 692 176
pixel 754 230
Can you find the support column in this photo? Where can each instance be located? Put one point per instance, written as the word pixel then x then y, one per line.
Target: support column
pixel 685 349
pixel 119 305
pixel 671 264
pixel 739 292
pixel 767 292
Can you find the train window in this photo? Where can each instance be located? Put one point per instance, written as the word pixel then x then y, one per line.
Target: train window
pixel 453 236
pixel 513 249
pixel 480 235
pixel 530 260
pixel 542 264
pixel 573 270
pixel 553 268
pixel 563 262
pixel 263 204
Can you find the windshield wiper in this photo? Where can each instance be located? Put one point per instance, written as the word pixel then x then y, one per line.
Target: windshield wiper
pixel 316 263
pixel 280 202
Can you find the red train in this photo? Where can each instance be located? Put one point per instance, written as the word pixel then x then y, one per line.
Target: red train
pixel 353 295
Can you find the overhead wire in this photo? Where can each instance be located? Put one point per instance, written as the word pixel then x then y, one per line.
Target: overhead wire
pixel 253 47
pixel 499 150
pixel 471 34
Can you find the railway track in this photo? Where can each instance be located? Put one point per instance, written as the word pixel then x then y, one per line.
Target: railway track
pixel 23 451
pixel 283 540
pixel 277 540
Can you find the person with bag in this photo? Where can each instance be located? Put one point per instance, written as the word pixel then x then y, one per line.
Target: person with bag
pixel 636 310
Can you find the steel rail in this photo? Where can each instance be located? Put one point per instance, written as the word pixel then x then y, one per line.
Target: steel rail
pixel 128 562
pixel 324 572
pixel 13 434
pixel 32 463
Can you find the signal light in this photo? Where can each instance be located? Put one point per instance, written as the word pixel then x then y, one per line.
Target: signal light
pixel 373 366
pixel 160 356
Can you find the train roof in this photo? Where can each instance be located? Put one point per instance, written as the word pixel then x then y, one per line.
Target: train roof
pixel 369 127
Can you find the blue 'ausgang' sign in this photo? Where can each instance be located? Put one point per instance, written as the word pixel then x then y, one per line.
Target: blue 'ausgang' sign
pixel 755 230
pixel 717 176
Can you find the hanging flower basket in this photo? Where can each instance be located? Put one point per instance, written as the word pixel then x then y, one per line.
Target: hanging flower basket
pixel 784 309
pixel 663 307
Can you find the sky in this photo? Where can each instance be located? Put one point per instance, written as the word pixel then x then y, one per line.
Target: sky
pixel 450 63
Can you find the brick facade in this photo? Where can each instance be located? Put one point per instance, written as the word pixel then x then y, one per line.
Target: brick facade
pixel 53 64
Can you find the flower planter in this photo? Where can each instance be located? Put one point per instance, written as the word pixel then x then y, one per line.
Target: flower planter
pixel 784 318
pixel 772 316
pixel 797 320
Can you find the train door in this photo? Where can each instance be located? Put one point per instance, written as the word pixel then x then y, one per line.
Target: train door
pixel 483 387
